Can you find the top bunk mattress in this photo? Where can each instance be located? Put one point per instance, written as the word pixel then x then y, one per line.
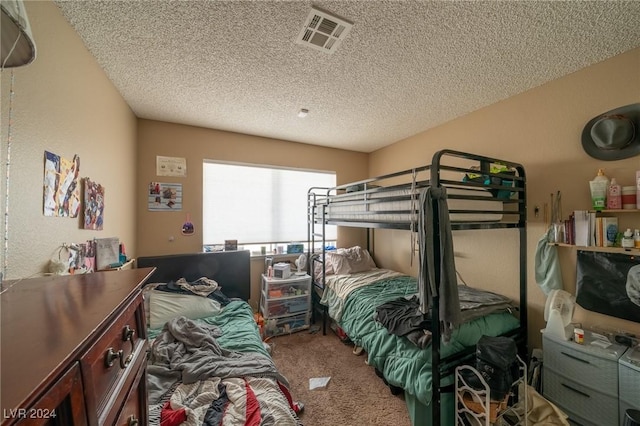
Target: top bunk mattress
pixel 401 206
pixel 481 193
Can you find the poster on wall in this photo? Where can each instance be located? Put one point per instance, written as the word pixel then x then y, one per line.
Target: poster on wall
pixel 609 283
pixel 93 205
pixel 171 166
pixel 61 186
pixel 165 196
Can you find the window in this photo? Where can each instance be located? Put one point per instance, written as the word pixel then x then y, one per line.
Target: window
pixel 258 205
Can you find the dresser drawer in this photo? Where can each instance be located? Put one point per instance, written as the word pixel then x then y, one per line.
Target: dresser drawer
pixel 599 408
pixel 112 357
pixel 593 371
pixel 134 412
pixel 120 392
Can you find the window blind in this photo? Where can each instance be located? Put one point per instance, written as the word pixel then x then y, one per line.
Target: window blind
pixel 258 204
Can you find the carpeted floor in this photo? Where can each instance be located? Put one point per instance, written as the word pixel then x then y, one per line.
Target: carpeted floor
pixel 354 396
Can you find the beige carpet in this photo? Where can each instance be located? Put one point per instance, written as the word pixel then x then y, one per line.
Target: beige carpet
pixel 354 396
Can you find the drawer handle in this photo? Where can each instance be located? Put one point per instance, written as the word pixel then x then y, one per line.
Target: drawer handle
pixel 575 357
pixel 127 334
pixel 110 356
pixel 132 421
pixel 124 362
pixel 576 390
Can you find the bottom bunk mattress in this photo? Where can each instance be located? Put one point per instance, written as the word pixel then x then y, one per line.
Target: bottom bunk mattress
pixel 215 370
pixel 403 363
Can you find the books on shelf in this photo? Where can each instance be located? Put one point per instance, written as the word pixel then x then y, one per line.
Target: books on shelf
pixel 589 230
pixel 583 229
pixel 609 231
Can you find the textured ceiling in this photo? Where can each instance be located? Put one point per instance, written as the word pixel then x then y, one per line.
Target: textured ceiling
pixel 406 66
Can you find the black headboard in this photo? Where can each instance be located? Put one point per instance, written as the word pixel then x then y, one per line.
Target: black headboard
pixel 230 269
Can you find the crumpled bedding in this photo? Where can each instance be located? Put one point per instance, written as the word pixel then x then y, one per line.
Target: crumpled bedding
pixel 343 285
pixel 401 362
pixel 216 372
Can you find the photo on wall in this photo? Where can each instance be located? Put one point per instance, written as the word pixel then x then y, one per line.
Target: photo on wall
pixel 609 283
pixel 165 196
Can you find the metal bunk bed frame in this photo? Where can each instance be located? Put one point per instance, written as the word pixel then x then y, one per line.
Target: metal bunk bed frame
pixel 320 199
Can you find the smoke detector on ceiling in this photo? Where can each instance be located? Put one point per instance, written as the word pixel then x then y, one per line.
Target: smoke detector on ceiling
pixel 323 31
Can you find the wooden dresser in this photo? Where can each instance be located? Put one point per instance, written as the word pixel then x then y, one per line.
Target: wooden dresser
pixel 73 350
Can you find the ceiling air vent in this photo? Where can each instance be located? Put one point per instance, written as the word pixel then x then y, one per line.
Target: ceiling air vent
pixel 323 31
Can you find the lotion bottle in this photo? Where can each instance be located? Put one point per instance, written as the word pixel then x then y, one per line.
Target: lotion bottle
pixel 599 186
pixel 614 195
pixel 627 239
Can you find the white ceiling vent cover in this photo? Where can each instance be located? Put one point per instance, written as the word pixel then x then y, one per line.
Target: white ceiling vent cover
pixel 323 31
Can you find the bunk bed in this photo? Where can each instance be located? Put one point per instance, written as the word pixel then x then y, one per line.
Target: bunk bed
pixel 456 191
pixel 207 363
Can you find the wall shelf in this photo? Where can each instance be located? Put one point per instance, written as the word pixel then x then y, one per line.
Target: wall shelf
pixel 616 211
pixel 600 249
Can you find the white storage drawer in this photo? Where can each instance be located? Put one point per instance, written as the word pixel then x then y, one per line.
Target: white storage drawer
pixel 279 326
pixel 581 403
pixel 592 371
pixel 277 288
pixel 285 306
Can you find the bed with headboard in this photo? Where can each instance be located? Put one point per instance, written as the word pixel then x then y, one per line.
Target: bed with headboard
pixel 208 364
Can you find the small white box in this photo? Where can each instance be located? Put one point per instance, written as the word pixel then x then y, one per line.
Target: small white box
pixel 281 270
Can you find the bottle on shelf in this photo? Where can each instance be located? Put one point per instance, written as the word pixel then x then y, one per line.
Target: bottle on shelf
pixel 629 197
pixel 599 186
pixel 627 239
pixel 638 189
pixel 636 238
pixel 614 195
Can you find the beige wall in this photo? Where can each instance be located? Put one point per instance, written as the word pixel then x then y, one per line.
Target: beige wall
pixel 159 232
pixel 540 129
pixel 65 104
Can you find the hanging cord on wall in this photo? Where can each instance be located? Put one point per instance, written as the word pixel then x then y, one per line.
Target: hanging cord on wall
pixel 15 43
pixel 414 218
pixel 5 245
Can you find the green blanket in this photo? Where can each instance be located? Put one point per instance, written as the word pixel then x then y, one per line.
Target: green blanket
pixel 402 363
pixel 239 330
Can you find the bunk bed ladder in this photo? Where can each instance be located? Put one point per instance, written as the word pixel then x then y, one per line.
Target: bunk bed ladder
pixel 312 206
pixel 436 396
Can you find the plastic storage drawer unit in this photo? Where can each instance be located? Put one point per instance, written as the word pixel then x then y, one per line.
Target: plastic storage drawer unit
pixel 582 379
pixel 285 304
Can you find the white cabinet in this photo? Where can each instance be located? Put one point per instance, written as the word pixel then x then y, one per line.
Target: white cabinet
pixel 582 379
pixel 285 304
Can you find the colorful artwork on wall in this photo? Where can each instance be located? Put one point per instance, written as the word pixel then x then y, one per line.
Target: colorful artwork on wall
pixel 165 196
pixel 61 188
pixel 93 205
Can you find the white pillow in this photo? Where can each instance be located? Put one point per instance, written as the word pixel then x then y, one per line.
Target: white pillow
pixel 351 260
pixel 317 269
pixel 164 306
